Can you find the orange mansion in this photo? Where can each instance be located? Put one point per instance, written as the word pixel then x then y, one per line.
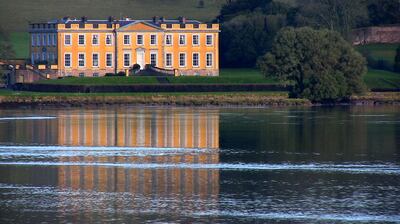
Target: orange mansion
pixel 86 48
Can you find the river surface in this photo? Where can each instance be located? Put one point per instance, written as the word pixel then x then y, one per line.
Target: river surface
pixel 168 165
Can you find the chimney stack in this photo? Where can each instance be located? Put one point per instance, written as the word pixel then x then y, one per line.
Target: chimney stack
pixel 182 19
pixel 162 19
pixel 84 19
pixel 155 19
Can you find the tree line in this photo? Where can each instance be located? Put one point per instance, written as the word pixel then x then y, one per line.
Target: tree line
pixel 248 27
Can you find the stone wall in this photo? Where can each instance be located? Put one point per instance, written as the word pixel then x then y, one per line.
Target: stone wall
pixel 367 35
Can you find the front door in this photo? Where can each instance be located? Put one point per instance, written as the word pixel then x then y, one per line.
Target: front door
pixel 140 58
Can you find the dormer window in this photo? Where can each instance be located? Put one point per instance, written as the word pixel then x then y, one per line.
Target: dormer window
pixel 169 26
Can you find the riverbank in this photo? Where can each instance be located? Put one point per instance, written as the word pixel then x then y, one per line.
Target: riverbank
pixel 251 99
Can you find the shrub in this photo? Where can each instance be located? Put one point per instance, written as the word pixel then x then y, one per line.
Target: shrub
pixel 321 64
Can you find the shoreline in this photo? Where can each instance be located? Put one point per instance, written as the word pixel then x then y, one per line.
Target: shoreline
pixel 201 100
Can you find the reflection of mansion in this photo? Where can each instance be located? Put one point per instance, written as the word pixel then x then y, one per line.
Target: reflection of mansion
pixel 71 47
pixel 175 129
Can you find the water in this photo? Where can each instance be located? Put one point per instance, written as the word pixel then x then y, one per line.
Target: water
pixel 130 164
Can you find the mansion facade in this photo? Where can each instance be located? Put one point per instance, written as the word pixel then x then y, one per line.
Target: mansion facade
pixel 90 48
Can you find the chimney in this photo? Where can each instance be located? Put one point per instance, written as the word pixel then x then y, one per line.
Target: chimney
pixel 155 19
pixel 162 19
pixel 84 19
pixel 182 19
pixel 111 19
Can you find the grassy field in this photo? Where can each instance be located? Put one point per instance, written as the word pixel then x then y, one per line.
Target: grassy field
pixel 385 52
pixel 227 76
pixel 382 79
pixel 16 14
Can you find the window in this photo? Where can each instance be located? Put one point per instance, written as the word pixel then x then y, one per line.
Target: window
pixel 139 39
pixel 109 25
pixel 169 26
pixel 44 39
pixel 44 56
pixel 49 40
pixel 127 39
pixel 95 26
pixel 196 60
pixel 33 41
pixel 127 59
pixel 209 26
pixel 33 58
pixel 81 39
pixel 209 59
pixel 81 74
pixel 196 26
pixel 168 60
pixel 67 39
pixel 67 60
pixel 209 40
pixel 153 59
pixel 109 39
pixel 153 39
pixel 168 39
pixel 96 74
pixel 81 60
pixel 38 40
pixel 182 60
pixel 95 39
pixel 54 39
pixel 182 39
pixel 183 26
pixel 95 60
pixel 51 57
pixel 109 59
pixel 195 40
pixel 37 56
pixel 82 26
pixel 68 26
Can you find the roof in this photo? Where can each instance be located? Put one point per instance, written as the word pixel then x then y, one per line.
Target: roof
pixel 122 22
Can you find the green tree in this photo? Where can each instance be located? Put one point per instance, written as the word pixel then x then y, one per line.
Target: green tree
pixel 321 65
pixel 384 12
pixel 338 15
pixel 6 50
pixel 397 60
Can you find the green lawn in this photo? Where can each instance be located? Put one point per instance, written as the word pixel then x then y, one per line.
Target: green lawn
pixel 385 52
pixel 382 79
pixel 6 92
pixel 227 76
pixel 102 80
pixel 20 42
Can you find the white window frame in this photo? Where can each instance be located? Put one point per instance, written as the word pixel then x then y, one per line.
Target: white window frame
pixel 33 40
pixel 130 59
pixel 98 60
pixel 49 39
pixel 198 59
pixel 44 37
pixel 109 66
pixel 84 60
pixel 166 61
pixel 212 60
pixel 155 39
pixel 184 40
pixel 38 40
pixel 70 60
pixel 129 39
pixel 84 39
pixel 156 59
pixel 137 39
pixel 111 39
pixel 98 39
pixel 166 38
pixel 198 40
pixel 65 39
pixel 54 39
pixel 185 61
pixel 212 40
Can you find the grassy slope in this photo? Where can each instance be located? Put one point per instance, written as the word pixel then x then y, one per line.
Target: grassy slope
pixel 231 76
pixel 385 52
pixel 382 79
pixel 16 14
